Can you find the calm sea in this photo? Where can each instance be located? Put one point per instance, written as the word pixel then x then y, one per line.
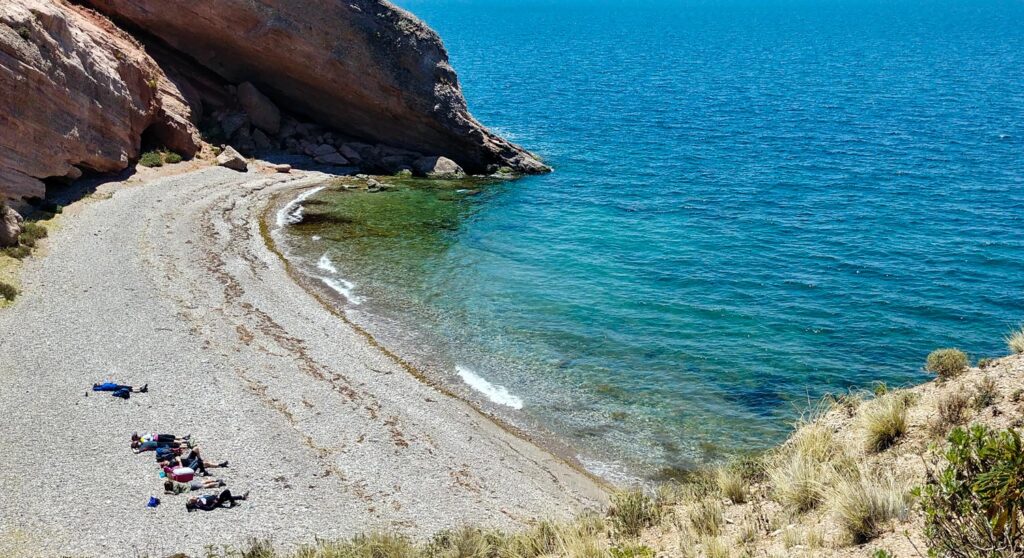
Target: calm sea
pixel 754 203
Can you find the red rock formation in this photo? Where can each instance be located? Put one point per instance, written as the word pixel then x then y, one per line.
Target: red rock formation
pixel 77 93
pixel 363 67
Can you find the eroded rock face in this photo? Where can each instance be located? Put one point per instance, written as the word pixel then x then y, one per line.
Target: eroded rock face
pixel 361 66
pixel 78 93
pixel 10 226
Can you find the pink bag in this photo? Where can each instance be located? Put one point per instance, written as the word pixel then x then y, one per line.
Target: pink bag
pixel 179 474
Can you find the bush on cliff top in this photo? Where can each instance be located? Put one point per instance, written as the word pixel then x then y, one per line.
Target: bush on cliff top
pixel 946 363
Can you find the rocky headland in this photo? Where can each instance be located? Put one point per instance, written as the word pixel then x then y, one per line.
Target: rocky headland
pixel 88 86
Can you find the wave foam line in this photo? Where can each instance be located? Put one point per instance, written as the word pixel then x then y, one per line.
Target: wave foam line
pixel 291 213
pixel 326 264
pixel 497 394
pixel 342 287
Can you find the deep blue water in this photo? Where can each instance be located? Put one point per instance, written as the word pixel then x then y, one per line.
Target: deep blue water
pixel 754 203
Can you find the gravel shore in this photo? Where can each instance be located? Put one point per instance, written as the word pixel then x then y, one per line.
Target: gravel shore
pixel 169 282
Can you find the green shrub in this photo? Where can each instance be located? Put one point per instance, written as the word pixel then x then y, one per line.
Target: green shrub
pixel 632 511
pixel 8 291
pixel 630 551
pixel 31 232
pixel 172 158
pixel 24 32
pixel 880 389
pixel 974 506
pixel 946 363
pixel 17 252
pixel 151 159
pixel 986 362
pixel 1015 341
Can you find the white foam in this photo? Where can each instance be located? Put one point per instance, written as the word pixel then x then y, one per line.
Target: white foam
pixel 342 287
pixel 615 473
pixel 497 394
pixel 325 264
pixel 315 237
pixel 292 212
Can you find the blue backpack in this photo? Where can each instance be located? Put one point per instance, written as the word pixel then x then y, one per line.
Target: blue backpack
pixel 164 454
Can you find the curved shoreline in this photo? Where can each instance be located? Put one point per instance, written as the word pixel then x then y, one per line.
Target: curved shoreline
pixel 168 281
pixel 549 442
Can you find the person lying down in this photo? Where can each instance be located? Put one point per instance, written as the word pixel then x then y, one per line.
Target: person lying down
pixel 175 487
pixel 210 502
pixel 152 441
pixel 192 460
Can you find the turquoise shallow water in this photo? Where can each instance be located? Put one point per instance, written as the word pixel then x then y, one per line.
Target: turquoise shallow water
pixel 754 203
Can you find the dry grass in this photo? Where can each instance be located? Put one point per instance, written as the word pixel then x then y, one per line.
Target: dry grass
pixel 952 411
pixel 632 511
pixel 884 421
pixel 1015 341
pixel 862 505
pixel 985 393
pixel 732 484
pixel 706 517
pixel 715 547
pixel 946 363
pixel 798 481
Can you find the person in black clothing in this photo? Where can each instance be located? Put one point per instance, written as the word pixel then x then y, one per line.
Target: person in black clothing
pixel 210 502
pixel 193 460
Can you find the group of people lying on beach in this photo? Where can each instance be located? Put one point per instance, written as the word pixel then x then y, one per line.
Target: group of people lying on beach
pixel 180 460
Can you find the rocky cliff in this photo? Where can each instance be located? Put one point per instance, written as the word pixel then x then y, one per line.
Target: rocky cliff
pixel 79 92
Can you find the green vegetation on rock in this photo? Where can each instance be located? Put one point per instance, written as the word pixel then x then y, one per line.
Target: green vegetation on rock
pixel 974 505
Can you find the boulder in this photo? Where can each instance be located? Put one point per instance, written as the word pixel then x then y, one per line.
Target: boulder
pixel 243 141
pixel 438 167
pixel 350 153
pixel 10 226
pixel 232 159
pixel 262 111
pixel 332 159
pixel 363 66
pixel 324 149
pixel 232 122
pixel 75 91
pixel 261 140
pixel 281 167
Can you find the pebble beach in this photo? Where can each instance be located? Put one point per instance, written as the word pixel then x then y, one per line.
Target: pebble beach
pixel 171 282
